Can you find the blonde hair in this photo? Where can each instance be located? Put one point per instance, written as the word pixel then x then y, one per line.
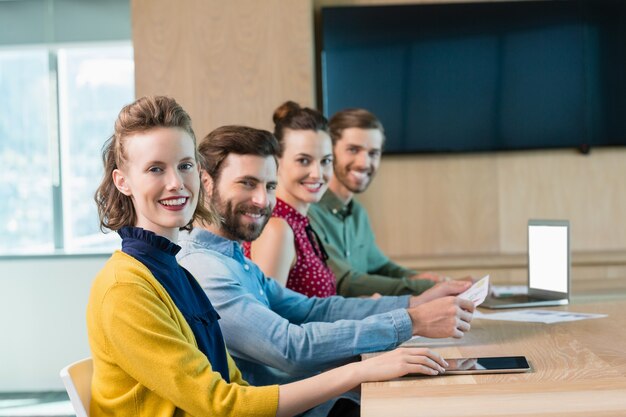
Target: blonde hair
pixel 115 209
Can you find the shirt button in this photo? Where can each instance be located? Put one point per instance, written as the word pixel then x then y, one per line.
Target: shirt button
pixel 246 267
pixel 334 211
pixel 261 292
pixel 347 253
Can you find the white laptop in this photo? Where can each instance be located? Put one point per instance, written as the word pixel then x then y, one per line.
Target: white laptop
pixel 548 267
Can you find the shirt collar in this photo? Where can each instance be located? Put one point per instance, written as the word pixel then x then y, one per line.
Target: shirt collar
pixel 335 205
pixel 211 241
pixel 148 247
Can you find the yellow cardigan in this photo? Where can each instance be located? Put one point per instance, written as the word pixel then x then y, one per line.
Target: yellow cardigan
pixel 146 360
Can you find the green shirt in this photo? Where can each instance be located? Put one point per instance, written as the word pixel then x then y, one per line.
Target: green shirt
pixel 359 265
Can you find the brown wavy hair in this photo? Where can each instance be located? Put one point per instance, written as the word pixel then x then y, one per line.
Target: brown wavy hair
pixel 359 118
pixel 290 115
pixel 115 209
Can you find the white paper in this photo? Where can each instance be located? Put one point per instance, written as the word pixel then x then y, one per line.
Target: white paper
pixel 477 292
pixel 537 316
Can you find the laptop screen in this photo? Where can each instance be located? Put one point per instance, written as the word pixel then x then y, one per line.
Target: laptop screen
pixel 548 253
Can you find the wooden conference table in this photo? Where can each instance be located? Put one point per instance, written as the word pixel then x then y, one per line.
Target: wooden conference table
pixel 579 369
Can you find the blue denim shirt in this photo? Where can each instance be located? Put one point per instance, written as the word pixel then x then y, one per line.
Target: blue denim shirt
pixel 277 335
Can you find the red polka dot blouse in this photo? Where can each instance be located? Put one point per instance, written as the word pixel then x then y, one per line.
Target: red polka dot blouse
pixel 309 275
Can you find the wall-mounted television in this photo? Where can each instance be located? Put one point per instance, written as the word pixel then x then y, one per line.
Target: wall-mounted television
pixel 481 76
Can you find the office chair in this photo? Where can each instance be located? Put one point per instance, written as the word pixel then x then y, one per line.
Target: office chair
pixel 77 380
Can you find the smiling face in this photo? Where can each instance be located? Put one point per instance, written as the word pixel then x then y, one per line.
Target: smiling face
pixel 304 168
pixel 161 177
pixel 357 157
pixel 243 195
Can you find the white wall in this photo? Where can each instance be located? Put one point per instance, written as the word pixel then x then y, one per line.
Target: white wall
pixel 42 319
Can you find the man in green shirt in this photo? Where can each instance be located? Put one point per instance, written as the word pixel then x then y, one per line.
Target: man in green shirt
pixel 343 224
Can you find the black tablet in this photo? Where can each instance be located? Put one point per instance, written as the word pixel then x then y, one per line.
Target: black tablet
pixel 489 365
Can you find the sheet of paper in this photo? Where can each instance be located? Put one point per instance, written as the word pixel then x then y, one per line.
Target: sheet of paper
pixel 477 292
pixel 537 316
pixel 508 290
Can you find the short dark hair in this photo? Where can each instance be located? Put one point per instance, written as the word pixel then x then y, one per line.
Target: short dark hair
pixel 290 115
pixel 347 118
pixel 240 140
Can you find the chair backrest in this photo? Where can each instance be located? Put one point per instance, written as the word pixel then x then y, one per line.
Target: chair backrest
pixel 77 380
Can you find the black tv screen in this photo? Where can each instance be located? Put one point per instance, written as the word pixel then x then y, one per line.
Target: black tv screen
pixel 481 76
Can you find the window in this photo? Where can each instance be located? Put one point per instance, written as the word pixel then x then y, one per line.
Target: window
pixel 25 215
pixel 57 108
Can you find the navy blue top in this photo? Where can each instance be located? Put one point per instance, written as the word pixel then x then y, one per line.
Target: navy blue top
pixel 158 254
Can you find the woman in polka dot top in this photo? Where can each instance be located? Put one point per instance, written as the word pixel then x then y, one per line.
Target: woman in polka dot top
pixel 288 250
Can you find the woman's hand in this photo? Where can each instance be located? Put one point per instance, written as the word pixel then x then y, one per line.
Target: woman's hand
pixel 299 396
pixel 400 362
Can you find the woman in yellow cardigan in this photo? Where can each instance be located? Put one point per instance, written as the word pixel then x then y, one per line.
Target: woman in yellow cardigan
pixel 154 335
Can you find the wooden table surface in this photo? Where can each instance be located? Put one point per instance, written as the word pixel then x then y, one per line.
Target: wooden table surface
pixel 579 369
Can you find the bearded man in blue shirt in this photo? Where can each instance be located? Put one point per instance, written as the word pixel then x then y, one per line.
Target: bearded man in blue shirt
pixel 277 335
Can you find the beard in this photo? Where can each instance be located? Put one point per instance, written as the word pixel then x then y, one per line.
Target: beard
pixel 231 218
pixel 342 174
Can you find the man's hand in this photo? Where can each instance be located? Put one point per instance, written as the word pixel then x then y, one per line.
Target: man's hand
pixel 440 290
pixel 444 317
